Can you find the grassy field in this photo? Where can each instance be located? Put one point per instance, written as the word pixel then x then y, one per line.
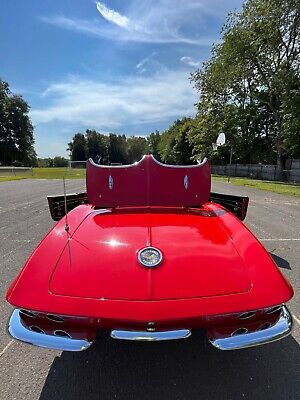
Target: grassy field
pixel 276 187
pixel 58 173
pixel 10 178
pixel 46 173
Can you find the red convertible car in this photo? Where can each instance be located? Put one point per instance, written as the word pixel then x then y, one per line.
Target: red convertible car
pixel 149 253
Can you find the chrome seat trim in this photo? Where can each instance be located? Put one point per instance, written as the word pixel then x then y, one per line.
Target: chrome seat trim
pixel 150 336
pixel 279 330
pixel 19 332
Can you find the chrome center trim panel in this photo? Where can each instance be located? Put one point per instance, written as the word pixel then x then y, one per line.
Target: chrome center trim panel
pixel 279 330
pixel 150 336
pixel 19 332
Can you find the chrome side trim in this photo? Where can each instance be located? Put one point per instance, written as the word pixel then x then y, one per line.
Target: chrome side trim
pixel 19 332
pixel 96 212
pixel 91 161
pixel 180 166
pixel 279 330
pixel 150 336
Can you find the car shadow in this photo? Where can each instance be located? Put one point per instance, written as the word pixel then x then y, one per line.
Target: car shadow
pixel 186 369
pixel 280 262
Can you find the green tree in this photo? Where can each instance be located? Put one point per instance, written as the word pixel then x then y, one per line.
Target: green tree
pixel 256 68
pixel 97 146
pixel 78 147
pixel 153 144
pixel 246 128
pixel 93 144
pixel 45 162
pixel 59 161
pixel 16 130
pixel 175 146
pixel 291 122
pixel 117 149
pixel 137 147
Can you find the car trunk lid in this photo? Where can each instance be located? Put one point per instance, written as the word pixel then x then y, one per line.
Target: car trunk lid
pixel 100 261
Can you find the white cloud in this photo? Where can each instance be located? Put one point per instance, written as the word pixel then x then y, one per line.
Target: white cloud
pixel 190 61
pixel 95 29
pixel 150 64
pixel 149 21
pixel 112 16
pixel 107 106
pixel 84 26
pixel 145 60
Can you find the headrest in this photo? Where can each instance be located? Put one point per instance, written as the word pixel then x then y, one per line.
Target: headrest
pixel 148 183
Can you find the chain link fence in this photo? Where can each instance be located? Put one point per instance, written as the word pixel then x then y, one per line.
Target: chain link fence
pixel 15 171
pixel 258 171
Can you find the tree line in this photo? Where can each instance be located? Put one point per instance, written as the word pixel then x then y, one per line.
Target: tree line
pixel 171 146
pixel 107 149
pixel 55 162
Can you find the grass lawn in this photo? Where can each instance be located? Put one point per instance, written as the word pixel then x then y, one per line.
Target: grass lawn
pixel 10 178
pixel 58 173
pixel 276 187
pixel 46 173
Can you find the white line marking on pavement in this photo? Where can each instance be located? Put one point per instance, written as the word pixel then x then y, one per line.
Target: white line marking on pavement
pixel 296 319
pixel 6 347
pixel 281 240
pixel 257 227
pixel 21 240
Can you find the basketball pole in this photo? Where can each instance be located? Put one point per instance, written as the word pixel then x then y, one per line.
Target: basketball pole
pixel 230 162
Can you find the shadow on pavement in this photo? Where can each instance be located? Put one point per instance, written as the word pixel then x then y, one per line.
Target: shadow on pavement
pixel 280 262
pixel 187 369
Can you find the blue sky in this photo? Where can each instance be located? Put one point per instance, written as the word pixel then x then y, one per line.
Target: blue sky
pixel 116 66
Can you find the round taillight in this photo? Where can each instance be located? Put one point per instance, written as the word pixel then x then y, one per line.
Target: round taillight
pixel 239 331
pixel 36 329
pixel 62 334
pixel 273 310
pixel 247 315
pixel 28 313
pixel 55 318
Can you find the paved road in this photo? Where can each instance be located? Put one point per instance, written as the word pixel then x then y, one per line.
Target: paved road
pixel 189 369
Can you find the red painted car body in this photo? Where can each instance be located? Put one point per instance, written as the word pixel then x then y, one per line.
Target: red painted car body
pixel 86 275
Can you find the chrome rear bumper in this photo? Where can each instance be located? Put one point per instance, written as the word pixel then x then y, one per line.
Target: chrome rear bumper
pixel 18 331
pixel 281 328
pixel 150 336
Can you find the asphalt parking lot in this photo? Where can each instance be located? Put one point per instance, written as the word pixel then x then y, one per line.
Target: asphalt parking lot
pixel 188 369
